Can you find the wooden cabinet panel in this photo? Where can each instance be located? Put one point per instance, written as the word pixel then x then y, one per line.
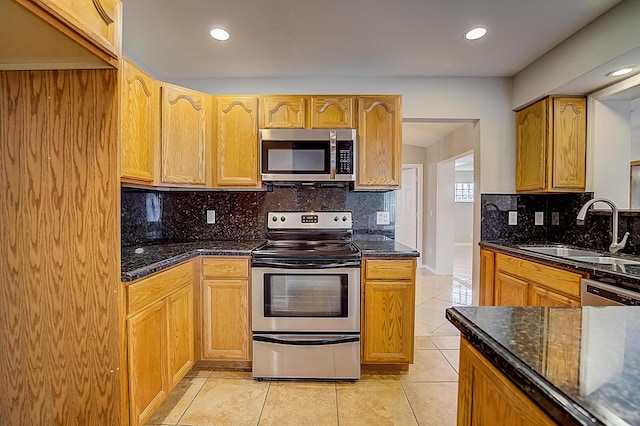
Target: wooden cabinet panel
pixel 283 112
pixel 551 145
pixel 236 142
pixel 147 339
pixel 180 337
pixel 98 21
pixel 158 286
pixel 139 121
pixel 184 135
pixel 487 397
pixel 540 296
pixel 226 316
pixel 226 334
pixel 531 147
pixel 562 351
pixel 510 291
pixel 331 112
pixel 380 142
pixel 569 143
pixel 487 276
pixel 388 311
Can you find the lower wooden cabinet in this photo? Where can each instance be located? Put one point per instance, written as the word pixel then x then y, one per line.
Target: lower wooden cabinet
pixel 487 397
pixel 226 333
pixel 388 311
pixel 511 281
pixel 160 337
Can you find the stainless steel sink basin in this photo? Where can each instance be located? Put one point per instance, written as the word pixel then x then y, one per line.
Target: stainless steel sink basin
pixel 606 260
pixel 560 251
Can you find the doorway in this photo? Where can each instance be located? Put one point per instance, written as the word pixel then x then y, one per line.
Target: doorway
pixel 408 220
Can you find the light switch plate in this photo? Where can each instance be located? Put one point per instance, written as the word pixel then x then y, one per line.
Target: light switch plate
pixel 211 216
pixel 555 218
pixel 513 218
pixel 539 218
pixel 382 218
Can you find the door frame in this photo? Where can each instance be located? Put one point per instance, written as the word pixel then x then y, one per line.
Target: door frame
pixel 419 206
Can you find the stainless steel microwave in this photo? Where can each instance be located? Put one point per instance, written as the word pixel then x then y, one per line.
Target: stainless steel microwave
pixel 315 155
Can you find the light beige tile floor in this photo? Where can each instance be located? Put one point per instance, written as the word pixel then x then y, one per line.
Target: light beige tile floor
pixel 426 394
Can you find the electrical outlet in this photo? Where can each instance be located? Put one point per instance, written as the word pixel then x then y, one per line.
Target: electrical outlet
pixel 555 218
pixel 211 216
pixel 539 218
pixel 382 218
pixel 513 218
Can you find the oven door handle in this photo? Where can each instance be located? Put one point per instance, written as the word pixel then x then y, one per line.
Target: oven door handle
pixel 309 265
pixel 301 340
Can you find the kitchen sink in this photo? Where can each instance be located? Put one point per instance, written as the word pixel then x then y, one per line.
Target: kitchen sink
pixel 561 251
pixel 606 260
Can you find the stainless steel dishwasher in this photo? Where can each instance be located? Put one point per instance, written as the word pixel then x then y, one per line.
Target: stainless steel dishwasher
pixel 596 293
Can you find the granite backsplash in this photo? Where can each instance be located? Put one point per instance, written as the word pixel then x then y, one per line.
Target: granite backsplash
pixel 559 224
pixel 180 216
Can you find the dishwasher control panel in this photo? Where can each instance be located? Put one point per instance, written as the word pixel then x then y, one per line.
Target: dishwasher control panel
pixel 595 293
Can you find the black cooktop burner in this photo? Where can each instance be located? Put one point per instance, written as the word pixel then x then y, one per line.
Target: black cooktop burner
pixel 296 248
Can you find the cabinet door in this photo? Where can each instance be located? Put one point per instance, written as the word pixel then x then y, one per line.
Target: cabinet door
pixel 531 146
pixel 283 112
pixel 487 397
pixel 97 21
pixel 540 296
pixel 569 143
pixel 331 112
pixel 184 133
pixel 388 322
pixel 380 142
pixel 510 291
pixel 487 276
pixel 147 339
pixel 180 339
pixel 562 351
pixel 139 119
pixel 237 142
pixel 226 319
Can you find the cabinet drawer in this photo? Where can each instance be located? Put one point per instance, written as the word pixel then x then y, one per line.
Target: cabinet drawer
pixel 547 276
pixel 396 269
pixel 225 267
pixel 156 287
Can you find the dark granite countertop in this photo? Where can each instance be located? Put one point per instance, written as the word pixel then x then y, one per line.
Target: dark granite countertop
pixel 625 276
pixel 154 258
pixel 160 256
pixel 581 365
pixel 380 246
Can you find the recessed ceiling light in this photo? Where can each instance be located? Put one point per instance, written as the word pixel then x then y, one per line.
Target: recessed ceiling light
pixel 620 72
pixel 475 33
pixel 219 34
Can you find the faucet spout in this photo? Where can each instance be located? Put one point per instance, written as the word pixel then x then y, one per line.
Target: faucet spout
pixel 615 246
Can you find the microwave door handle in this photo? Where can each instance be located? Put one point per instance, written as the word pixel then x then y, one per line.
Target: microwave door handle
pixel 332 141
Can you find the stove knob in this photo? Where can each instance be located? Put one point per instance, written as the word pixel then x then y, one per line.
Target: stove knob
pixel 274 219
pixel 335 219
pixel 282 218
pixel 344 218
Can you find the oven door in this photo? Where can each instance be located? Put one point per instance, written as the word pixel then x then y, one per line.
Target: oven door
pixel 306 300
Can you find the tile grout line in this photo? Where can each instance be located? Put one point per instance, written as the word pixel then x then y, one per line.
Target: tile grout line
pixel 264 402
pixel 194 398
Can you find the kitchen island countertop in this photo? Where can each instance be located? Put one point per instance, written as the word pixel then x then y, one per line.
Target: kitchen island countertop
pixel 580 365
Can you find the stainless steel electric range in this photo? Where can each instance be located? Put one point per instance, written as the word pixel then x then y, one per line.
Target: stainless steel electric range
pixel 306 298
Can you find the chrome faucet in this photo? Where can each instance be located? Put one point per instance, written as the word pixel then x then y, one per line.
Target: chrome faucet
pixel 615 245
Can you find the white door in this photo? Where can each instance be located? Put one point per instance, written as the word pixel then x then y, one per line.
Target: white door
pixel 407 208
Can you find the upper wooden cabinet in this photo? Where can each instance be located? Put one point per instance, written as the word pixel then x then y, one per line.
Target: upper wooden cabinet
pixel 60 34
pixel 185 133
pixel 139 121
pixel 331 112
pixel 236 142
pixel 388 310
pixel 551 145
pixel 380 142
pixel 283 112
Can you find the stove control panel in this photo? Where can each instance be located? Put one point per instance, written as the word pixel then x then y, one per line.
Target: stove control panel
pixel 309 220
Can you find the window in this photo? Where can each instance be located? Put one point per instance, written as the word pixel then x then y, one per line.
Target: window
pixel 464 192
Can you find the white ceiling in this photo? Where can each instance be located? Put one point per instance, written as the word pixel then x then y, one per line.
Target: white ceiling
pixel 390 38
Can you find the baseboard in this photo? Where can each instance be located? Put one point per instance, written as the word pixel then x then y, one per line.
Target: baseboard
pixel 428 268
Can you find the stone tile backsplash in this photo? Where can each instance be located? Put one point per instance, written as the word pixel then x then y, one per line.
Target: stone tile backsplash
pixel 594 234
pixel 180 216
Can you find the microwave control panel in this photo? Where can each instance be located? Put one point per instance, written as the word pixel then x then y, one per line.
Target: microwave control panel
pixel 344 159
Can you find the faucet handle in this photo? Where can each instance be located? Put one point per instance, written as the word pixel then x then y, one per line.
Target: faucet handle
pixel 615 246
